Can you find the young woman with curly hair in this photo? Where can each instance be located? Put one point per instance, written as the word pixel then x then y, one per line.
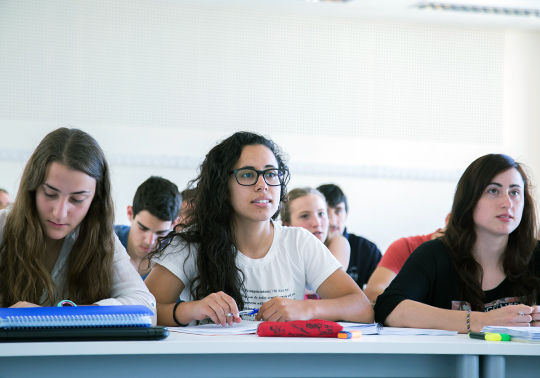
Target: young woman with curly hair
pixel 232 256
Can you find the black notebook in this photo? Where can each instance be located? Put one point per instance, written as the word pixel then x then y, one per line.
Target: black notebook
pixel 82 334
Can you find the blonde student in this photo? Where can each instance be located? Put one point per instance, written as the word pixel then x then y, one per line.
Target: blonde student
pixel 307 208
pixel 57 240
pixel 232 255
pixel 485 268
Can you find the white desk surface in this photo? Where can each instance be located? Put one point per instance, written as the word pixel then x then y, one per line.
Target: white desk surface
pixel 178 343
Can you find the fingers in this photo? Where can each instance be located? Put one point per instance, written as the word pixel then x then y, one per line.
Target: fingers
pixel 519 315
pixel 523 309
pixel 278 309
pixel 269 311
pixel 273 313
pixel 525 315
pixel 535 315
pixel 217 306
pixel 262 310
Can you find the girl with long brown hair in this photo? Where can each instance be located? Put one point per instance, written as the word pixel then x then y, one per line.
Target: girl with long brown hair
pixel 57 240
pixel 231 256
pixel 485 269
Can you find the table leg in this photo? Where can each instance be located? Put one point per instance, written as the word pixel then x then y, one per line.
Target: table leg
pixel 493 367
pixel 467 366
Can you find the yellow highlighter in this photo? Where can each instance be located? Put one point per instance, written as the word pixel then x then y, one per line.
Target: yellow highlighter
pixel 489 336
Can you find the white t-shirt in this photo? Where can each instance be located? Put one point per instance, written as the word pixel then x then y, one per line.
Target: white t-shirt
pixel 127 287
pixel 296 260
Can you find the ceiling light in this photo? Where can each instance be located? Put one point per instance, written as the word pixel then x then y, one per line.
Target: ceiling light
pixel 478 9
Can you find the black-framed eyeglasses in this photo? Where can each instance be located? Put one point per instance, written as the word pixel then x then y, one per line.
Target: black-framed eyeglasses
pixel 250 176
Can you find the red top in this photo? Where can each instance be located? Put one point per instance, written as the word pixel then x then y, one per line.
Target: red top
pixel 400 250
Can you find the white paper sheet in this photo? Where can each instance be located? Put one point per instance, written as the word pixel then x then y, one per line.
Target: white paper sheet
pixel 243 328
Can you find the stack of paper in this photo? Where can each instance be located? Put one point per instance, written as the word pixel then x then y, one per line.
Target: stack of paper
pixel 366 328
pixel 525 334
pixel 244 328
pixel 415 331
pixel 378 329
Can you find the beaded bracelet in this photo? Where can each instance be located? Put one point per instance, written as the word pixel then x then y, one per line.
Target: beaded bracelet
pixel 469 321
pixel 174 314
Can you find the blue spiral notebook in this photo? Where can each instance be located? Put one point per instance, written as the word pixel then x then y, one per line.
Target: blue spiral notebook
pixel 83 323
pixel 75 317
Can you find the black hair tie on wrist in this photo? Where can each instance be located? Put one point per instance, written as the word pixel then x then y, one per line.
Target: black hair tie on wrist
pixel 174 314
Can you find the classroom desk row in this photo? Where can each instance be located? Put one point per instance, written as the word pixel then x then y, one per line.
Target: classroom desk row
pixel 182 355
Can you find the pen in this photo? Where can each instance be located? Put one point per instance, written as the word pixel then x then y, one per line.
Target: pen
pixel 489 336
pixel 245 312
pixel 349 334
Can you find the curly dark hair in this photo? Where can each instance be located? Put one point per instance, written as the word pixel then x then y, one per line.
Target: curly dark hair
pixel 210 218
pixel 460 236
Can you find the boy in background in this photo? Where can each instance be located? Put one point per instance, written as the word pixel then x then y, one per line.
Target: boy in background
pixel 155 207
pixel 364 254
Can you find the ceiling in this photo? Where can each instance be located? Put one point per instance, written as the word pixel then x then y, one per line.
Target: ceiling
pixel 481 12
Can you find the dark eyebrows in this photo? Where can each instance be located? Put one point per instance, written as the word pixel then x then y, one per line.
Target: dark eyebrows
pixel 268 166
pixel 147 229
pixel 500 186
pixel 58 190
pixel 142 226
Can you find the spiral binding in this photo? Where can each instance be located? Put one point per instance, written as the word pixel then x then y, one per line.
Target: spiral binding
pixel 76 321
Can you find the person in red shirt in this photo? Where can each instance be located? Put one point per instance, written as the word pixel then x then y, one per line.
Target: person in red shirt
pixel 393 260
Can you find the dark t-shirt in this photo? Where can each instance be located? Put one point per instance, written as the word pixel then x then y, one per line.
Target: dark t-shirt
pixel 429 277
pixel 364 258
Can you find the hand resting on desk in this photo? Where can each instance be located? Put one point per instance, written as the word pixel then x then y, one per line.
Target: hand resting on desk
pixel 216 306
pixel 535 314
pixel 280 309
pixel 167 288
pixel 508 316
pixel 419 315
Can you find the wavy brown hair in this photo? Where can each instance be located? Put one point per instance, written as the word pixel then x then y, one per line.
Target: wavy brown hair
pixel 210 218
pixel 89 266
pixel 460 236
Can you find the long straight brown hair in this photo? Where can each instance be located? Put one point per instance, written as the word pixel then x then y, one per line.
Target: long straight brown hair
pixel 89 266
pixel 460 235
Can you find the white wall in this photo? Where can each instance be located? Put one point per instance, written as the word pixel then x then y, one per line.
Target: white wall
pixel 522 100
pixel 392 112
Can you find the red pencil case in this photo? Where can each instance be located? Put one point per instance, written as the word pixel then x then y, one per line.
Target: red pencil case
pixel 299 328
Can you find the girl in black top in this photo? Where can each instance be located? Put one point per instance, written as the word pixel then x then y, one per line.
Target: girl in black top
pixel 486 265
